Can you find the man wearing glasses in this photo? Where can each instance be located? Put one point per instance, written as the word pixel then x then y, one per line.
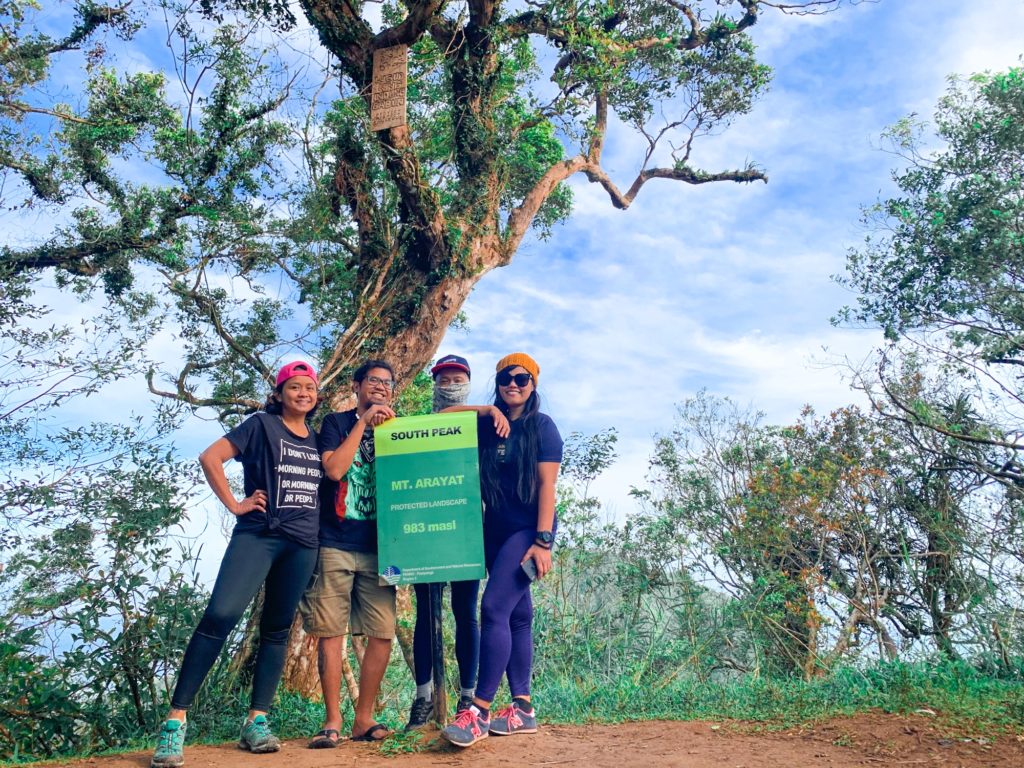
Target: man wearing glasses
pixel 346 592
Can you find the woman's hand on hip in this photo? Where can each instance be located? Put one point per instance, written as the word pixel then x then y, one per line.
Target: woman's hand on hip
pixel 256 502
pixel 541 558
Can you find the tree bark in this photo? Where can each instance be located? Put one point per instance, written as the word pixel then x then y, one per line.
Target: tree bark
pixel 406 625
pixel 300 667
pixel 301 673
pixel 412 345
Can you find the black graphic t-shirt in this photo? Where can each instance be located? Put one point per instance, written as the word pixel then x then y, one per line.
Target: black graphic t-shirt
pixel 348 510
pixel 287 467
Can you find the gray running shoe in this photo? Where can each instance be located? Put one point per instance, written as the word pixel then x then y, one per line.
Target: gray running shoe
pixel 419 713
pixel 170 746
pixel 467 728
pixel 465 702
pixel 256 736
pixel 514 719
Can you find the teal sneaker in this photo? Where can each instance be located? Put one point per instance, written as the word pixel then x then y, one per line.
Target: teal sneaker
pixel 256 736
pixel 170 746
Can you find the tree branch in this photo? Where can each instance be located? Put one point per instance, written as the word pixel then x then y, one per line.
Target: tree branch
pixel 345 34
pixel 182 394
pixel 914 419
pixel 597 136
pixel 418 20
pixel 520 218
pixel 92 17
pixel 211 310
pixel 534 23
pixel 597 175
pixel 25 109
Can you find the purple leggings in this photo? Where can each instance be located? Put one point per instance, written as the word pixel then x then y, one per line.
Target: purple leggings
pixel 506 618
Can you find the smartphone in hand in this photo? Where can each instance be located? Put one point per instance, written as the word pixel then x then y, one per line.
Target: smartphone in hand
pixel 529 568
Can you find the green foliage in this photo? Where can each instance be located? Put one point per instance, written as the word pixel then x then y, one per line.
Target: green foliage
pixel 417 398
pixel 960 694
pixel 622 631
pixel 949 251
pixel 833 536
pixel 941 274
pixel 206 198
pixel 95 598
pixel 101 583
pixel 26 56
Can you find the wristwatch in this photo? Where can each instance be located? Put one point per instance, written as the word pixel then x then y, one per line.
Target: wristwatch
pixel 545 538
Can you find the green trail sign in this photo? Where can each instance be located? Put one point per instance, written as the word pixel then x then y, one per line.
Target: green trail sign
pixel 429 521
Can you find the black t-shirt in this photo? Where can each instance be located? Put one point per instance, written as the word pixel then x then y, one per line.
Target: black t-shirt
pixel 515 514
pixel 287 467
pixel 348 510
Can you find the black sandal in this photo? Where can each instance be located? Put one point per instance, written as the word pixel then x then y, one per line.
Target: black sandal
pixel 328 738
pixel 369 734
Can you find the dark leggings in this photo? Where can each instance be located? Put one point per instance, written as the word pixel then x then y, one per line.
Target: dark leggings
pixel 506 618
pixel 467 633
pixel 251 560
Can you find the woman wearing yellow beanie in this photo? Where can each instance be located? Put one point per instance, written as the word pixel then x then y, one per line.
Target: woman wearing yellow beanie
pixel 517 479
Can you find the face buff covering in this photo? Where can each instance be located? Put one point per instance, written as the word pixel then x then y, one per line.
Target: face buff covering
pixel 454 394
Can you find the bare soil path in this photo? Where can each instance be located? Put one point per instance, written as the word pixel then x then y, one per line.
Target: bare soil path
pixel 863 740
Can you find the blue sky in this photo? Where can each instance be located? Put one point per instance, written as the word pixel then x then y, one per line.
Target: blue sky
pixel 728 287
pixel 725 287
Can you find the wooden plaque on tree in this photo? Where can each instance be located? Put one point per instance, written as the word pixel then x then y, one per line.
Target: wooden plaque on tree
pixel 387 95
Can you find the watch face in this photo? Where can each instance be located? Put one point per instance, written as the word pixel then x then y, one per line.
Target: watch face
pixel 545 536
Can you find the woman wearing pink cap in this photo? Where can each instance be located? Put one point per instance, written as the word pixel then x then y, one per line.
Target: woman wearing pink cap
pixel 273 545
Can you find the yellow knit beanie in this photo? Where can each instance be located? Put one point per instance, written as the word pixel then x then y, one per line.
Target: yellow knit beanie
pixel 521 359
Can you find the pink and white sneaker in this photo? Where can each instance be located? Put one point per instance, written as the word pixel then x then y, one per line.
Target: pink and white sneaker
pixel 514 719
pixel 467 728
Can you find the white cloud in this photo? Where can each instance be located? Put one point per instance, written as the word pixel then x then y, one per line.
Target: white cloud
pixel 729 287
pixel 974 37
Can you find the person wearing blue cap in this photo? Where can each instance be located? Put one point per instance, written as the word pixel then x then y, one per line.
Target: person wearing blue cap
pixel 451 388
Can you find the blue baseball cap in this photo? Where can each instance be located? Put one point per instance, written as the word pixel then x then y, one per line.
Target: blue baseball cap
pixel 451 361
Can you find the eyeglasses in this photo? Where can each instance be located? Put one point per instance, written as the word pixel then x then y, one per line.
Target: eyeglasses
pixel 521 379
pixel 374 380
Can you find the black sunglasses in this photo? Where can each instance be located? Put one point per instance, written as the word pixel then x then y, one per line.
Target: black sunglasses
pixel 505 378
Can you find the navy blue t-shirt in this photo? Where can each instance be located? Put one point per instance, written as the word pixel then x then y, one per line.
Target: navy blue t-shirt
pixel 348 510
pixel 285 466
pixel 515 514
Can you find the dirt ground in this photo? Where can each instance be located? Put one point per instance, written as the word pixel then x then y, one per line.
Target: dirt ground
pixel 863 740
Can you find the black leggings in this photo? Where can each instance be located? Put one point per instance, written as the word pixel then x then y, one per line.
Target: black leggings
pixel 467 633
pixel 251 560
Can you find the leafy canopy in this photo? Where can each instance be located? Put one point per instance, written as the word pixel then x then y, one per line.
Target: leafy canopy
pixel 948 252
pixel 943 275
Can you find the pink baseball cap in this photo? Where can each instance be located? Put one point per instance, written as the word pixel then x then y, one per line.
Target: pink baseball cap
pixel 297 368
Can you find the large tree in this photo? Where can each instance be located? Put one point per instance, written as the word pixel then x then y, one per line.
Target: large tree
pixel 380 237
